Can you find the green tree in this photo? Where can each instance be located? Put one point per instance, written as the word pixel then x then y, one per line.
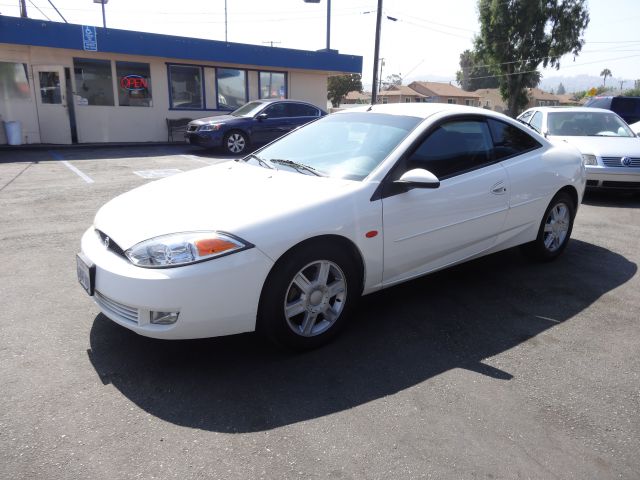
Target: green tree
pixel 339 85
pixel 604 74
pixel 473 74
pixel 561 90
pixel 516 36
pixel 393 79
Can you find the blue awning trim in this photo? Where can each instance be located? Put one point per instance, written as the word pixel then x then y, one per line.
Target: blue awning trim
pixel 26 31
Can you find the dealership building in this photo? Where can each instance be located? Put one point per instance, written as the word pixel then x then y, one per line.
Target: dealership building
pixel 62 83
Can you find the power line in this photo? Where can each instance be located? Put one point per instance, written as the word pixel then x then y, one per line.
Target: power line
pixel 37 8
pixel 58 11
pixel 569 66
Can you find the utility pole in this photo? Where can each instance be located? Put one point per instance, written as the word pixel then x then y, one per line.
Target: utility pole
pixel 23 8
pixel 225 21
pixel 380 79
pixel 621 84
pixel 376 54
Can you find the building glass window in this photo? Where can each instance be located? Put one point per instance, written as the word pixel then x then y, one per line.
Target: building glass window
pixel 50 88
pixel 273 85
pixel 134 84
pixel 14 81
pixel 94 81
pixel 232 88
pixel 451 100
pixel 186 87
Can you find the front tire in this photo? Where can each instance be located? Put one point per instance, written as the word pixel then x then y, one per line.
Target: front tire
pixel 309 296
pixel 555 229
pixel 235 143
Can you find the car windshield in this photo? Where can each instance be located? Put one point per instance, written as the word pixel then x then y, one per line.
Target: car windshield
pixel 248 109
pixel 587 124
pixel 345 145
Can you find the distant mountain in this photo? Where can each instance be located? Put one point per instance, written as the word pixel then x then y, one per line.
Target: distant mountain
pixel 582 82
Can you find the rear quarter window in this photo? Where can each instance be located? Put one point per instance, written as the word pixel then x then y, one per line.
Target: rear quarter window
pixel 509 141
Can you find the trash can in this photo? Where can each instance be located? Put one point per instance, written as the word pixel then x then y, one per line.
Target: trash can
pixel 14 133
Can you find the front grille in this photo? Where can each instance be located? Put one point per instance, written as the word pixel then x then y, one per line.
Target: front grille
pixel 192 128
pixel 117 309
pixel 113 246
pixel 616 162
pixel 610 184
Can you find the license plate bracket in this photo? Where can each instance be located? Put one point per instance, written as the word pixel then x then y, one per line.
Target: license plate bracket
pixel 86 271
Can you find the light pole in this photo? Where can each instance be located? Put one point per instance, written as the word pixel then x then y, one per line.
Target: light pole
pixel 104 18
pixel 328 20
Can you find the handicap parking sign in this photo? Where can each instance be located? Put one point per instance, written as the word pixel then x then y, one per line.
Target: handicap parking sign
pixel 89 38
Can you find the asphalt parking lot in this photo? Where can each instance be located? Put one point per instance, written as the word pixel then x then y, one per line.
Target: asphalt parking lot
pixel 499 368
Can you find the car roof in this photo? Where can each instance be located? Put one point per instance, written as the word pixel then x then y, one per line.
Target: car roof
pixel 421 110
pixel 569 109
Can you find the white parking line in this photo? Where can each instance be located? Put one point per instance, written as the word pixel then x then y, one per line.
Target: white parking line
pixel 196 159
pixel 82 175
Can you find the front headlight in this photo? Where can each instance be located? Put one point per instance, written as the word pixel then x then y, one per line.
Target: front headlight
pixel 589 160
pixel 178 249
pixel 210 128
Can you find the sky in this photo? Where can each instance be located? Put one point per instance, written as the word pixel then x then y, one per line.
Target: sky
pixel 423 43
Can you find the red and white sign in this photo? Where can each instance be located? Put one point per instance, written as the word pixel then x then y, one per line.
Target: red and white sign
pixel 134 82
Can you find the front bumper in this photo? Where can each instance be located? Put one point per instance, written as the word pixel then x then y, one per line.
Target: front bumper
pixel 205 139
pixel 613 177
pixel 214 298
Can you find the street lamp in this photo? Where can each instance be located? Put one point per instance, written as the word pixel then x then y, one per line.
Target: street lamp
pixel 328 20
pixel 104 18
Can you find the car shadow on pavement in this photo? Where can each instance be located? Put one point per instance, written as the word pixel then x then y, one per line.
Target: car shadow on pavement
pixel 400 337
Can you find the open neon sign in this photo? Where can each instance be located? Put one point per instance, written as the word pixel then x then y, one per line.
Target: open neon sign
pixel 134 82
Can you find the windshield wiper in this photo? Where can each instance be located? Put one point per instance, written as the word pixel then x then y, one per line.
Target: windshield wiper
pixel 261 161
pixel 296 166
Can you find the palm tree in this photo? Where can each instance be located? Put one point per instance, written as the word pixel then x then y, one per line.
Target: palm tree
pixel 605 73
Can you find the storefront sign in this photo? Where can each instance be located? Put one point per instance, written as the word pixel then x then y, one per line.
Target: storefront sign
pixel 89 38
pixel 134 82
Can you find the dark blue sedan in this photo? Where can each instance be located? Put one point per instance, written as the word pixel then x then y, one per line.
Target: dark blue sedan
pixel 255 123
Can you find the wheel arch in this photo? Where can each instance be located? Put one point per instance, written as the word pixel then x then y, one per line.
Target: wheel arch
pixel 573 193
pixel 338 240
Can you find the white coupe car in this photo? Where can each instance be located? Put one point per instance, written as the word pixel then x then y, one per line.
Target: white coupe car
pixel 611 151
pixel 286 240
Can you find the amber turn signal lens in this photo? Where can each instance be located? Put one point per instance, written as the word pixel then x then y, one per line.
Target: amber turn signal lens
pixel 209 246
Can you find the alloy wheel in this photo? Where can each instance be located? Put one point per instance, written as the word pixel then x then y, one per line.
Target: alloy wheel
pixel 315 298
pixel 556 227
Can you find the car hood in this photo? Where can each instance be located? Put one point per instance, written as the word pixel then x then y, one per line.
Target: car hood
pixel 603 146
pixel 214 119
pixel 232 197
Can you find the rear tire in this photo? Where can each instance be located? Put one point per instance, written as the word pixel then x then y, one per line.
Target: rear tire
pixel 555 229
pixel 235 143
pixel 309 296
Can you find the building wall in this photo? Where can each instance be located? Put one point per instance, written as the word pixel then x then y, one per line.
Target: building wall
pixel 97 123
pixel 310 87
pixel 18 109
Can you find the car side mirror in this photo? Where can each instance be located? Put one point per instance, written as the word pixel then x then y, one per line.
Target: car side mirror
pixel 418 178
pixel 262 116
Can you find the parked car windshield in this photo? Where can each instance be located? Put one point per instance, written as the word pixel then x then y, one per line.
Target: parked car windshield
pixel 248 109
pixel 587 124
pixel 346 145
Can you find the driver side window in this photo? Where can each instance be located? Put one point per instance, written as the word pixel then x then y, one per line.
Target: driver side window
pixel 454 148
